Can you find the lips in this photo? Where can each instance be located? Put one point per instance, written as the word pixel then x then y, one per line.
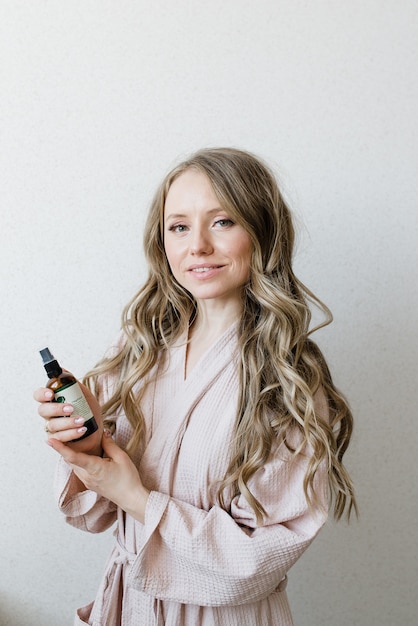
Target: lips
pixel 203 268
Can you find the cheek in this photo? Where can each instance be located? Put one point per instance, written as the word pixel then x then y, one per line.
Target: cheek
pixel 173 256
pixel 241 252
pixel 244 252
pixel 170 253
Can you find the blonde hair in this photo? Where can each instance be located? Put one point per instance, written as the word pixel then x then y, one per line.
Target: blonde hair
pixel 281 369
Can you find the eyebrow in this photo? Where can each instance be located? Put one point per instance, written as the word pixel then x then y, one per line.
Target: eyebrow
pixel 183 215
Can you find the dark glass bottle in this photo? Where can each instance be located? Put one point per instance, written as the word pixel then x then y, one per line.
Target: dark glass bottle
pixel 67 389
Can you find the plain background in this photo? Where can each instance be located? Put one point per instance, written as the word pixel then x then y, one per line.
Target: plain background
pixel 98 100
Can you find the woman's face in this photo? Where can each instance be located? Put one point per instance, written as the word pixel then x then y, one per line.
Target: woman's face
pixel 209 254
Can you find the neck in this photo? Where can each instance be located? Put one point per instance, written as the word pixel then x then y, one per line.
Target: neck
pixel 212 321
pixel 209 325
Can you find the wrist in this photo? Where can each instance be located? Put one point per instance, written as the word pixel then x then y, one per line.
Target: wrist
pixel 138 504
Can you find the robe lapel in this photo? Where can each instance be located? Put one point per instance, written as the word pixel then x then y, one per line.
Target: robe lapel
pixel 157 463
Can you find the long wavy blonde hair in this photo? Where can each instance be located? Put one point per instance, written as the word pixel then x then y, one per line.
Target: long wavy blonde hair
pixel 281 369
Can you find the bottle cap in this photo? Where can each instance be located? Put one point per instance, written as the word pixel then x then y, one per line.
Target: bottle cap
pixel 51 365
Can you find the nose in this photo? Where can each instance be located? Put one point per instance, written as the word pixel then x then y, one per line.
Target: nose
pixel 200 242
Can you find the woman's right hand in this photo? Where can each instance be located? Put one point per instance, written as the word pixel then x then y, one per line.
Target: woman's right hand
pixel 63 424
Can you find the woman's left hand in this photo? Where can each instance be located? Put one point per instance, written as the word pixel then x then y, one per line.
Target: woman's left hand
pixel 114 477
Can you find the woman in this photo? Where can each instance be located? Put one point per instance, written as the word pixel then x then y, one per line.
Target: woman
pixel 228 431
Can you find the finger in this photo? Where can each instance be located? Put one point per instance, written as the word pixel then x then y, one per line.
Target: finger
pixel 66 429
pixel 110 447
pixel 47 410
pixel 72 457
pixel 43 395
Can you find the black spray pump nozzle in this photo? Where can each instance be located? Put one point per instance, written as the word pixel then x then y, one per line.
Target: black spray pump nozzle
pixel 51 365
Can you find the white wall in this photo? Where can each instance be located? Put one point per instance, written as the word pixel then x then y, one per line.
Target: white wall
pixel 98 99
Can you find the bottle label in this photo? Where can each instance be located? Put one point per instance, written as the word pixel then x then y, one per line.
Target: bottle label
pixel 73 395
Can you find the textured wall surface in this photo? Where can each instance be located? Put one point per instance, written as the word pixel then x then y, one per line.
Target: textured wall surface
pixel 98 99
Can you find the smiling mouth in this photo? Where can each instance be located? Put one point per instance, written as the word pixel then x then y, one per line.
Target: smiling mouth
pixel 205 268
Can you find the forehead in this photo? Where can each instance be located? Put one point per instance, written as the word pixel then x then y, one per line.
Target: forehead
pixel 191 189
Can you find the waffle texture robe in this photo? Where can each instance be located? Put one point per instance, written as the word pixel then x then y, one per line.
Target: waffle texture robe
pixel 192 563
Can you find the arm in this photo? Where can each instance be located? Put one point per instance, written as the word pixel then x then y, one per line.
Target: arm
pixel 220 558
pixel 108 482
pixel 83 508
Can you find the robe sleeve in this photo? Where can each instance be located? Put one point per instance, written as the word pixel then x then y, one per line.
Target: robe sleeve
pixel 214 558
pixel 86 510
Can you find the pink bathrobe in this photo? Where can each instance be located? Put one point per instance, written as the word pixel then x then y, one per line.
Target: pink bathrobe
pixel 192 563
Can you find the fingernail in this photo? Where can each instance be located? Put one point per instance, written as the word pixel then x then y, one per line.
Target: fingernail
pixel 48 395
pixel 68 408
pixel 79 420
pixel 81 430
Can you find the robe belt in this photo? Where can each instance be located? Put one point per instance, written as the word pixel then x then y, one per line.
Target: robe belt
pixel 282 584
pixel 123 555
pixel 112 605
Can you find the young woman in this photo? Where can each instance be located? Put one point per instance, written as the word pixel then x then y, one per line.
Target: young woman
pixel 228 433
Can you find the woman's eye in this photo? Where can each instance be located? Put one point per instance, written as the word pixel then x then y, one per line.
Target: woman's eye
pixel 177 228
pixel 224 222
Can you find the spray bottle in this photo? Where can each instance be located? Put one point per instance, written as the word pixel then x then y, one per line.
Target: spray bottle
pixel 67 389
